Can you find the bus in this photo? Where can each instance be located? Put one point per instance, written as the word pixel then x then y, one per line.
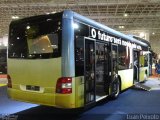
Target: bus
pixel 69 61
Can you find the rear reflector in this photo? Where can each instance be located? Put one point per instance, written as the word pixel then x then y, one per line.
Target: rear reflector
pixel 9 84
pixel 64 85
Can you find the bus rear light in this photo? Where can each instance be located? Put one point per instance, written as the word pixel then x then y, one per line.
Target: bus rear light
pixel 64 85
pixel 9 84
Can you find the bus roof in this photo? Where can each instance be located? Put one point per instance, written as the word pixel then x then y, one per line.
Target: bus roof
pixel 141 39
pixel 71 15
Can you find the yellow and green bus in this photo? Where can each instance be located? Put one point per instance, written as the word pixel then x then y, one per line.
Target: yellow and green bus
pixel 69 61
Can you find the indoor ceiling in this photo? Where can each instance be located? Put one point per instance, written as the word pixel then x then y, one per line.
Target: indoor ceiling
pixel 122 15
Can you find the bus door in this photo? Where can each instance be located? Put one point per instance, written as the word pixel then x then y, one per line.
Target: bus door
pixel 150 63
pixel 102 57
pixel 136 55
pixel 114 59
pixel 89 71
pixel 114 83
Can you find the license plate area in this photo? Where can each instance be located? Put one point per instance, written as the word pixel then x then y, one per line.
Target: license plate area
pixel 32 88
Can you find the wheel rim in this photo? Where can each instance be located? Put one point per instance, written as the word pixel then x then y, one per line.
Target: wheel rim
pixel 117 88
pixel 117 91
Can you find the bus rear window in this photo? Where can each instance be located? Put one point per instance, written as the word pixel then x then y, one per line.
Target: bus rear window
pixel 35 39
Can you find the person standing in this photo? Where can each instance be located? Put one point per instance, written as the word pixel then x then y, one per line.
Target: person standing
pixel 158 69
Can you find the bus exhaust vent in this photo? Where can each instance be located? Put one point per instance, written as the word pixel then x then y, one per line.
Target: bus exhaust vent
pixel 142 86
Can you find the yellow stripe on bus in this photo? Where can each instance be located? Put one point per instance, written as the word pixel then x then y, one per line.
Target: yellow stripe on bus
pixel 2 85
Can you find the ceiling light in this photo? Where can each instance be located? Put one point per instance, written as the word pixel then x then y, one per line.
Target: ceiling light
pixel 153 33
pixel 53 12
pixel 142 34
pixel 125 14
pixel 121 26
pixel 15 17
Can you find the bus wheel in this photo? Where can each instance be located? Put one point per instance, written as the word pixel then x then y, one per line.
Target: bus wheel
pixel 115 88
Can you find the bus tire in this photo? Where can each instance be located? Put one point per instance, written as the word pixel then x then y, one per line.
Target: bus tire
pixel 116 87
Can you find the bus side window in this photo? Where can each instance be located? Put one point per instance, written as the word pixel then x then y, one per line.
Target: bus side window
pixel 124 58
pixel 79 56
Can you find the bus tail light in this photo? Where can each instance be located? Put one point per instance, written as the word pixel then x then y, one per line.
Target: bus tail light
pixel 64 85
pixel 9 81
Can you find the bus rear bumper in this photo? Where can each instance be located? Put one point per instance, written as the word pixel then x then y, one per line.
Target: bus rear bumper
pixel 57 100
pixel 32 97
